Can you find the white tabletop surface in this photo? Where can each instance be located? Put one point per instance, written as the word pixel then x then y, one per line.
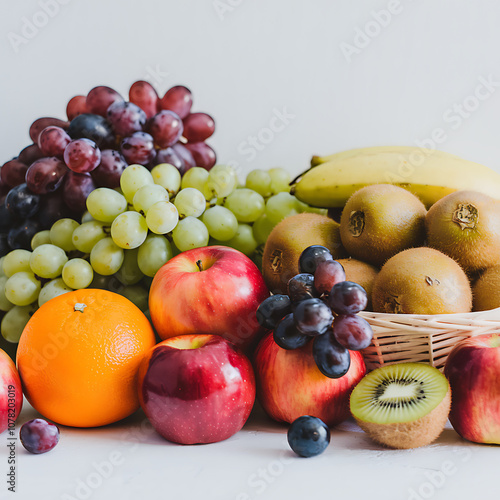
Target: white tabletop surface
pixel 255 463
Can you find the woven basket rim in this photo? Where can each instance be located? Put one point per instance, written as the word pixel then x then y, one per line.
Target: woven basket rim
pixel 469 315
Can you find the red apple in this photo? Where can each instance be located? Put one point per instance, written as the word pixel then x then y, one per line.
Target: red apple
pixel 212 289
pixel 290 385
pixel 473 370
pixel 196 388
pixel 11 394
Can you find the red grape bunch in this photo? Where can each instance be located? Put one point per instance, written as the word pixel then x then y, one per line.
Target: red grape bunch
pixel 52 178
pixel 320 306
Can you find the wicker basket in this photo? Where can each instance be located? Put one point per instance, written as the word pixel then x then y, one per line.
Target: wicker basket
pixel 399 338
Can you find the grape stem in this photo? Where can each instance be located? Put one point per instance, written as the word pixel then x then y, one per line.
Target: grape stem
pixel 200 265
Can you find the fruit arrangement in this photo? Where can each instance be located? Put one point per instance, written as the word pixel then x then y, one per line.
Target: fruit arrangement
pixel 114 193
pixel 255 291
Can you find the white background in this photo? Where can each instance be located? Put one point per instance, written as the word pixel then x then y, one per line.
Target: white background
pixel 247 60
pixel 242 64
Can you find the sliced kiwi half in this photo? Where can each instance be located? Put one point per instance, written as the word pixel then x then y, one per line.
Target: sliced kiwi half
pixel 404 405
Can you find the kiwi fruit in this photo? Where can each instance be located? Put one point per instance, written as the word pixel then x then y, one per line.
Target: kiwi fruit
pixel 403 406
pixel 361 273
pixel 381 220
pixel 421 281
pixel 466 226
pixel 289 239
pixel 486 290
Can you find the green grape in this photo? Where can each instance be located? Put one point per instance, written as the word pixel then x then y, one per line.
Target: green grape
pixel 262 228
pixel 61 234
pixel 149 195
pixel 130 273
pixel 190 201
pixel 133 178
pixel 279 206
pixel 313 210
pixel 162 217
pixel 244 240
pixel 168 177
pixel 22 288
pixel 47 261
pixel 88 234
pixel 153 253
pixel 14 321
pixel 221 182
pixel 129 230
pixel 280 180
pixel 106 257
pixel 190 233
pixel 52 289
pixel 195 177
pixel 106 204
pixel 137 295
pixel 77 273
pixel 87 217
pixel 16 261
pixel 5 304
pixel 260 181
pixel 40 238
pixel 246 204
pixel 221 223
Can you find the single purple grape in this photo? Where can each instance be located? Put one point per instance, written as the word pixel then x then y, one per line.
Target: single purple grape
pixel 204 156
pixel 272 310
pixel 179 100
pixel 353 332
pixel 332 359
pixel 166 128
pixel 312 256
pixel 76 189
pixel 301 287
pixel 39 436
pixel 347 297
pixel 185 155
pixel 287 336
pixel 46 175
pixel 21 202
pixel 109 171
pixel 30 154
pixel 144 95
pixel 13 172
pixel 168 155
pixel 126 118
pixel 327 274
pixel 52 141
pixel 41 123
pixel 198 127
pixel 100 98
pixel 138 148
pixel 312 317
pixel 82 155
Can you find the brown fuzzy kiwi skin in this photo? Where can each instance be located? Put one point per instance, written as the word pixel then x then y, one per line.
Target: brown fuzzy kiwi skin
pixel 466 226
pixel 362 273
pixel 486 290
pixel 390 219
pixel 414 434
pixel 289 239
pixel 421 281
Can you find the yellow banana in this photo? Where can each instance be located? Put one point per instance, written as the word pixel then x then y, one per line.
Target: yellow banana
pixel 428 174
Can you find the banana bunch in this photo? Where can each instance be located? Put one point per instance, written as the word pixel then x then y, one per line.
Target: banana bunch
pixel 428 174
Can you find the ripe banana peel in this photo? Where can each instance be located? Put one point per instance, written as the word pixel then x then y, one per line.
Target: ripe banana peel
pixel 428 174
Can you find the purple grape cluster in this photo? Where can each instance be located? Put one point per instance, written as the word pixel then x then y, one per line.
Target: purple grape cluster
pixel 320 306
pixel 51 178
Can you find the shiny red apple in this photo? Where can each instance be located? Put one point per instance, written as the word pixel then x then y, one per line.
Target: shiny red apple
pixel 473 370
pixel 212 289
pixel 196 388
pixel 290 385
pixel 11 394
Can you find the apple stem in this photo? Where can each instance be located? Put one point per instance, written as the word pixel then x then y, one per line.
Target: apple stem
pixel 200 265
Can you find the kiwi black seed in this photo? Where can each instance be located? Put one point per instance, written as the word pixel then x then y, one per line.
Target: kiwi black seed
pixel 380 220
pixel 404 405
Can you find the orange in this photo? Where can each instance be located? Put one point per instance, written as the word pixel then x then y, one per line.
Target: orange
pixel 79 354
